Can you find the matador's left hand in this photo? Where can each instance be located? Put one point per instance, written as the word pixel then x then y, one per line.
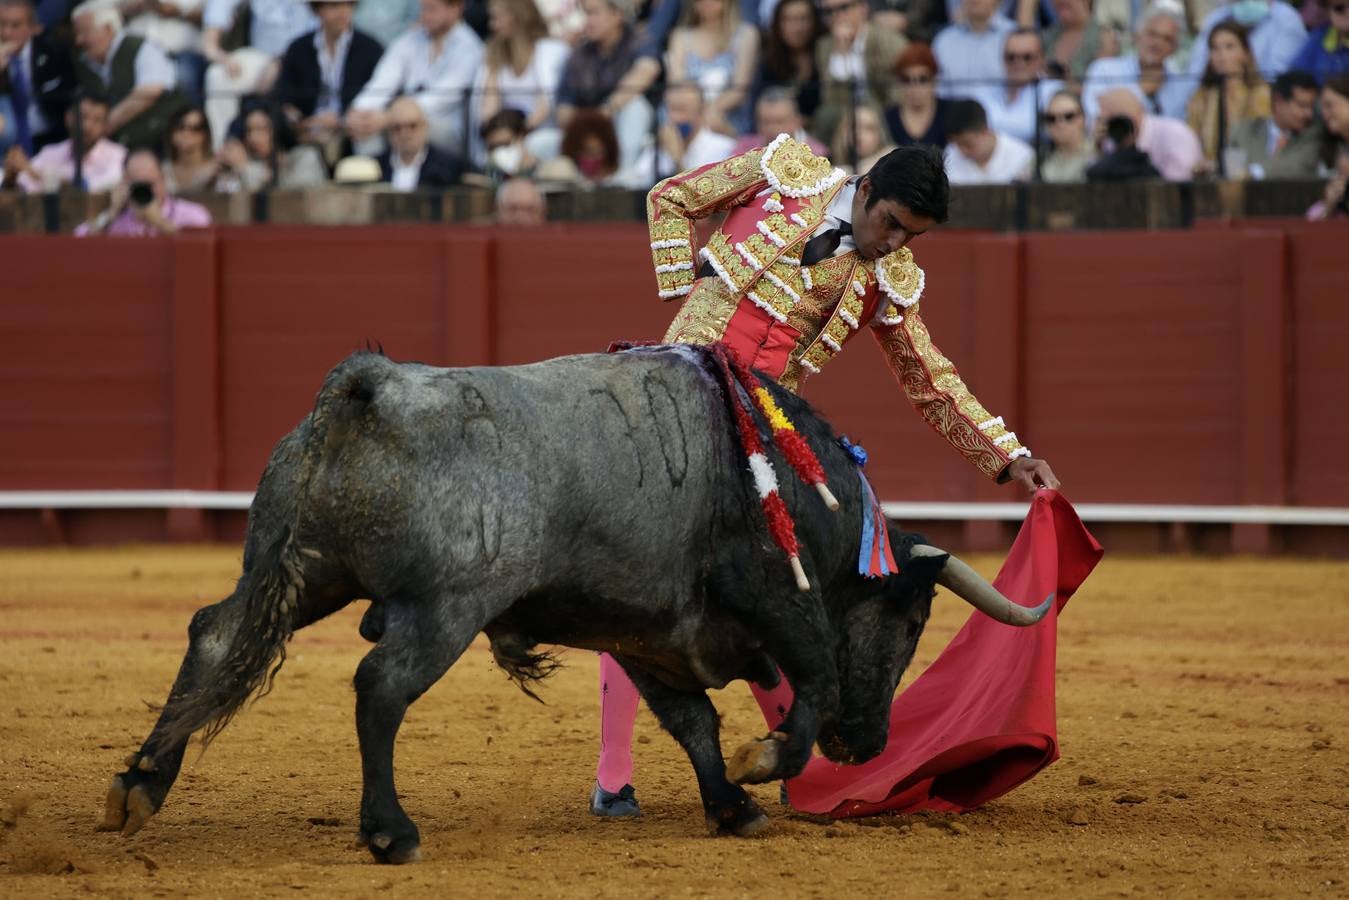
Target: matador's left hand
pixel 1033 473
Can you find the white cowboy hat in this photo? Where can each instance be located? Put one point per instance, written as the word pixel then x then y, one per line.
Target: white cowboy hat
pixel 357 169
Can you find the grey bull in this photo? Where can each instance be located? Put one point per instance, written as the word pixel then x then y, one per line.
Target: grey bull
pixel 596 501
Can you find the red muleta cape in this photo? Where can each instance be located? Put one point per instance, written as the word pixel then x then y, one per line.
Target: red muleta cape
pixel 980 721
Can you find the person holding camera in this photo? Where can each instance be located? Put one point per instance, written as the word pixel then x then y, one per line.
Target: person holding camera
pixel 142 206
pixel 1124 162
pixel 1171 146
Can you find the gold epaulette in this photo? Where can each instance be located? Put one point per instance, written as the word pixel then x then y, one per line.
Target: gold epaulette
pixel 901 283
pixel 793 168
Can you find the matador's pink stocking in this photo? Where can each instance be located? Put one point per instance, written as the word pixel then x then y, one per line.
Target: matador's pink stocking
pixel 773 703
pixel 618 710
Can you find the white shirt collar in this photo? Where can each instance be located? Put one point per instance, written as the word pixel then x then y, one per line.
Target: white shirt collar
pixel 343 42
pixel 840 208
pixel 838 212
pixel 396 159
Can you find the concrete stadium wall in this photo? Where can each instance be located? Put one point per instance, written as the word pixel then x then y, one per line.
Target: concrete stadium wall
pixel 1195 367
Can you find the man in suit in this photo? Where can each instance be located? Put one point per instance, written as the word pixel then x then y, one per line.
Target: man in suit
pixel 37 81
pixel 1287 142
pixel 323 71
pixel 411 162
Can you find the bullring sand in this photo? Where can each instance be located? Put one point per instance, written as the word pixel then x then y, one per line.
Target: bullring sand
pixel 1203 715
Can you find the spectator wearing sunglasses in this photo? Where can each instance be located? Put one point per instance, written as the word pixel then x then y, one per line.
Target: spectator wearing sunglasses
pixel 412 162
pixel 1326 52
pixel 856 63
pixel 969 52
pixel 1071 153
pixel 189 155
pixel 919 117
pixel 1014 106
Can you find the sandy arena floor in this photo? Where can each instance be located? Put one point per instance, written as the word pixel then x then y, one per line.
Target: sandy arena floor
pixel 1203 712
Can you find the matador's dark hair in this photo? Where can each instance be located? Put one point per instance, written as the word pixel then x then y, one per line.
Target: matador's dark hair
pixel 914 177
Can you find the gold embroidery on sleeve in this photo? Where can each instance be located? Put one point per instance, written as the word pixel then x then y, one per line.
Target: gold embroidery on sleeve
pixel 935 389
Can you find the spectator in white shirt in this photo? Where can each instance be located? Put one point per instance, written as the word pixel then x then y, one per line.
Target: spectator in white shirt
pixel 1014 107
pixel 1151 71
pixel 978 155
pixel 176 29
pixel 273 24
pixel 523 67
pixel 434 63
pixel 136 76
pixel 54 165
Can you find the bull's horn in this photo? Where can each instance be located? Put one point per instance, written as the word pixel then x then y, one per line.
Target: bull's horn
pixel 969 586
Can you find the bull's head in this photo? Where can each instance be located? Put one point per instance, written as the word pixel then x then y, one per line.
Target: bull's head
pixel 879 630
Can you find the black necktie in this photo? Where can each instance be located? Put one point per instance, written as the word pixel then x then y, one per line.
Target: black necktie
pixel 823 245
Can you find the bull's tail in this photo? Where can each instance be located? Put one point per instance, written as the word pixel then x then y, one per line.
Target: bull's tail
pixel 263 613
pixel 261 622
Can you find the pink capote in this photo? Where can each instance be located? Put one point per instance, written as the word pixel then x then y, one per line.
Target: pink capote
pixel 980 721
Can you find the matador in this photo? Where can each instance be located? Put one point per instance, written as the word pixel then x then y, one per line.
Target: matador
pixel 805 259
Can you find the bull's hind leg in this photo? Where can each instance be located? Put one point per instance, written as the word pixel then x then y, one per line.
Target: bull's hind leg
pixel 692 720
pixel 137 793
pixel 416 646
pixel 231 647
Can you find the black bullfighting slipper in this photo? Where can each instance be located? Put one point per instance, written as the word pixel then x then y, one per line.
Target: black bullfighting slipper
pixel 614 805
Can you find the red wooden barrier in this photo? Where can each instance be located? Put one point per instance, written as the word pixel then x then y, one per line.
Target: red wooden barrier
pixel 1185 367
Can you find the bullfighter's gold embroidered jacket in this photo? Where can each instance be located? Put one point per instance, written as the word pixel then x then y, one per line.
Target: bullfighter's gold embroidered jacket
pixel 787 320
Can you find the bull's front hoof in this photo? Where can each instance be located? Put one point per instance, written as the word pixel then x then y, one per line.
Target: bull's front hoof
pixel 744 820
pixel 133 798
pixel 757 761
pixel 394 848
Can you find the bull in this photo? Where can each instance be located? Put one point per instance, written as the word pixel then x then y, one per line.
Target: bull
pixel 598 502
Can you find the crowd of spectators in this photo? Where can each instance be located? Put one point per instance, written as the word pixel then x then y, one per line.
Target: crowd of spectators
pixel 241 95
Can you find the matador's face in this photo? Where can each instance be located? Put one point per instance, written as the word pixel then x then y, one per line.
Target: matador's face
pixel 886 227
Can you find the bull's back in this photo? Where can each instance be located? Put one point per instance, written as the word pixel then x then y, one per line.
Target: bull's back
pixel 565 469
